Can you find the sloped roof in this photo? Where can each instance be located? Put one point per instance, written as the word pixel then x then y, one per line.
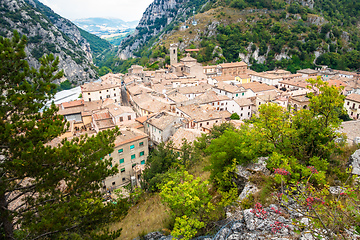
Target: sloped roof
pixel 354 97
pixel 102 114
pixel 97 86
pixel 258 87
pixel 243 102
pixel 162 120
pixel 228 87
pixel 129 135
pixel 189 134
pixel 200 113
pixel 210 96
pixel 75 103
pixel 235 64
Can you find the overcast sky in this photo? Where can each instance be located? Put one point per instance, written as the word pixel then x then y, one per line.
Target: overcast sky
pixel 127 10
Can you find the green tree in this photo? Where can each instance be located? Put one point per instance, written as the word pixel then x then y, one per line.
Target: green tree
pixel 46 192
pixel 189 201
pixel 235 116
pixel 233 145
pixel 65 85
pixel 104 70
pixel 160 160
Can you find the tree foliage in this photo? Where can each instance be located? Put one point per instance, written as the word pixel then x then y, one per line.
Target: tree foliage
pixel 160 160
pixel 45 191
pixel 189 201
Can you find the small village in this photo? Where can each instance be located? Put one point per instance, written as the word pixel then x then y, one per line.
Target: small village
pixel 186 100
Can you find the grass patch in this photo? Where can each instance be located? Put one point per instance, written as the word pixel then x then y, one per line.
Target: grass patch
pixel 147 216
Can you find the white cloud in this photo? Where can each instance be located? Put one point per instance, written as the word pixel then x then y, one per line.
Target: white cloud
pixel 75 9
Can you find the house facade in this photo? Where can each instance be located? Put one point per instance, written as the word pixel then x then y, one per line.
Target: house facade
pixel 352 105
pixel 100 91
pixel 130 153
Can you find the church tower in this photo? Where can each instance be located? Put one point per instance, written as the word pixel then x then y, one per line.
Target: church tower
pixel 173 54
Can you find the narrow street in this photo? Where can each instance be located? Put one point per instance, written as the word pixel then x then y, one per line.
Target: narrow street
pixel 124 98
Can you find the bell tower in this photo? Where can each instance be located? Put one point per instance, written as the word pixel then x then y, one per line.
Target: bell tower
pixel 173 54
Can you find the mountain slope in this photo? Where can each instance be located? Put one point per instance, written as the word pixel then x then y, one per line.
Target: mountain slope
pixel 47 33
pixel 159 18
pixel 290 34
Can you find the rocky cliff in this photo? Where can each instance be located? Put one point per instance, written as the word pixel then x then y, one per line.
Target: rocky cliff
pixel 48 33
pixel 159 18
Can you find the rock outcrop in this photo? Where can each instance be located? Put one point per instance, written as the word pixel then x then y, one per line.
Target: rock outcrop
pixel 354 162
pixel 48 33
pixel 156 20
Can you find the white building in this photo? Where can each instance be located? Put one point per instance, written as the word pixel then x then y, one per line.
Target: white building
pixel 100 91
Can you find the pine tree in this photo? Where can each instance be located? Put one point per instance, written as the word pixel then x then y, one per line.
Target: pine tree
pixel 47 192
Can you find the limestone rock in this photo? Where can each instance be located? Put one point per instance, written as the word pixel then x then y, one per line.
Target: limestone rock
pixel 336 190
pixel 237 227
pixel 222 234
pixel 355 162
pixel 249 188
pixel 153 236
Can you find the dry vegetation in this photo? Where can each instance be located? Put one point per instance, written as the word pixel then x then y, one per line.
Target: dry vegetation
pixel 147 216
pixel 203 20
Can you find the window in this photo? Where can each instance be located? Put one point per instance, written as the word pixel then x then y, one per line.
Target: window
pixel 122 170
pixel 142 162
pixel 100 97
pixel 88 93
pixel 243 94
pixel 121 160
pixel 89 99
pixel 132 147
pixel 121 119
pixel 107 90
pixel 129 117
pixel 123 179
pixel 141 144
pixel 99 91
pixel 134 164
pixel 348 103
pixel 113 183
pixel 242 109
pixel 133 156
pixel 249 107
pixel 207 123
pixel 114 94
pixel 120 151
pixel 200 124
pixel 237 94
pixel 142 153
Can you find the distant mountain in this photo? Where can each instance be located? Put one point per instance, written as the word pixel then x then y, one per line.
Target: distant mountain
pixel 47 32
pixel 105 26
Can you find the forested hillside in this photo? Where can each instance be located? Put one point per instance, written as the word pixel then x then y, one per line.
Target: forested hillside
pixel 48 33
pixel 266 34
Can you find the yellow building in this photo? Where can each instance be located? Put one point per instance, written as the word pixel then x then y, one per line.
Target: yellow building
pixel 243 78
